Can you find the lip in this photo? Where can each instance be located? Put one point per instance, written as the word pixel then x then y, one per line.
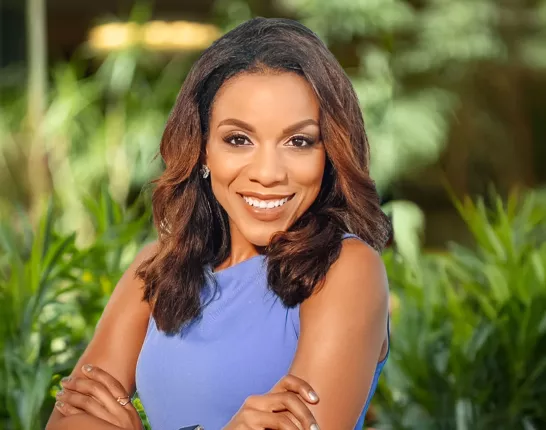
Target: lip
pixel 266 196
pixel 264 214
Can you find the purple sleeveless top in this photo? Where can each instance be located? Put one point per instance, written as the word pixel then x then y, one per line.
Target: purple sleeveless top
pixel 243 344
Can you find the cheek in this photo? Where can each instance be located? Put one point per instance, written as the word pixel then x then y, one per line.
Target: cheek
pixel 220 182
pixel 226 174
pixel 309 173
pixel 224 168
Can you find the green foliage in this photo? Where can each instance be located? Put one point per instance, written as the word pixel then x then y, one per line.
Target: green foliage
pixel 413 59
pixel 469 334
pixel 100 129
pixel 52 293
pixel 470 329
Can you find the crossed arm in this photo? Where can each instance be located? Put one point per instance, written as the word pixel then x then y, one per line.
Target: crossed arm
pixel 343 334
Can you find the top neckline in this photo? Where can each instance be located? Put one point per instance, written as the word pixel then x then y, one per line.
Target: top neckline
pixel 244 263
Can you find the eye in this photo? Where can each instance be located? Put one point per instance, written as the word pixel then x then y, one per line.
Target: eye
pixel 301 141
pixel 237 140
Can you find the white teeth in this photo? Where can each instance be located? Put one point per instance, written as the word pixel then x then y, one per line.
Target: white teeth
pixel 265 204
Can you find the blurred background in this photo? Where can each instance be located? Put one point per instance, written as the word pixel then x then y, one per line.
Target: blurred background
pixel 454 97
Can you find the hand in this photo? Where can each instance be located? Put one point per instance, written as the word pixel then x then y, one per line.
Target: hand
pixel 280 409
pixel 99 394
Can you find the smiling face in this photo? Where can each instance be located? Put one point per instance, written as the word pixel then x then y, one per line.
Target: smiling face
pixel 264 152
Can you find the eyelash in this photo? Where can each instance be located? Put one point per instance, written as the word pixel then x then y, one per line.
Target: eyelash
pixel 307 140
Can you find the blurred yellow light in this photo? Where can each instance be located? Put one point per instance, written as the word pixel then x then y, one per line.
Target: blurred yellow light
pixel 159 35
pixel 155 33
pixel 113 36
pixel 184 33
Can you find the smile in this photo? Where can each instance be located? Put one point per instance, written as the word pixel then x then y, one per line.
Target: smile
pixel 265 204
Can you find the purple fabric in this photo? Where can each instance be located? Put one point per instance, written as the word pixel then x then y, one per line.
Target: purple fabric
pixel 243 344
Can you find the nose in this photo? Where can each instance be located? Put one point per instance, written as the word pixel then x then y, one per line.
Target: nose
pixel 267 167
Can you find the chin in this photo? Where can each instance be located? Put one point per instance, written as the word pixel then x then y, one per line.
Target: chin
pixel 260 235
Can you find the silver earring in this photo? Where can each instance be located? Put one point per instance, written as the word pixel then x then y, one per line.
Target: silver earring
pixel 205 171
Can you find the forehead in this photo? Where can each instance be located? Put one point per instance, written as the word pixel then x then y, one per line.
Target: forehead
pixel 266 96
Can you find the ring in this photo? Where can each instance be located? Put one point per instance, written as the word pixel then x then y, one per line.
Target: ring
pixel 123 400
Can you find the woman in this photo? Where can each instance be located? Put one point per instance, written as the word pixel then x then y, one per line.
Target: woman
pixel 251 311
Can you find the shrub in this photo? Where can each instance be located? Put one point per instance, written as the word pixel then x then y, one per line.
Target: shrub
pixel 469 335
pixel 52 293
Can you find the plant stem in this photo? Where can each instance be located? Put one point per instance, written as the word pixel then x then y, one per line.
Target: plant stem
pixel 36 102
pixel 37 61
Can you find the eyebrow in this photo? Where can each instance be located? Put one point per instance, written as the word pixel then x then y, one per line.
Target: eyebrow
pixel 290 129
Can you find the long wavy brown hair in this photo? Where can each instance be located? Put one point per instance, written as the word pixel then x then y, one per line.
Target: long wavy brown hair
pixel 193 228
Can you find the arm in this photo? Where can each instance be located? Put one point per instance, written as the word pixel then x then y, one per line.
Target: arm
pixel 116 343
pixel 343 335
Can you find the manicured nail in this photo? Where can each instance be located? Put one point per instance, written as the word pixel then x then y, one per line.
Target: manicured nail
pixel 314 398
pixel 315 427
pixel 59 404
pixel 66 379
pixel 87 368
pixel 60 393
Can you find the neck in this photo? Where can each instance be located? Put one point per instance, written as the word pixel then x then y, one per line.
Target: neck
pixel 241 249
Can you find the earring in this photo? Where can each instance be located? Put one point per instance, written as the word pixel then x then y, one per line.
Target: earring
pixel 205 171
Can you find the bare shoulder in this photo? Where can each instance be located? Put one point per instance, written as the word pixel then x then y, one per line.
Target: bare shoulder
pixel 354 294
pixel 129 291
pixel 357 275
pixel 358 259
pixel 147 251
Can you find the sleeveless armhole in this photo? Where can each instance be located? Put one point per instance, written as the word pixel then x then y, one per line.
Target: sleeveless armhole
pixel 294 314
pixel 151 324
pixel 384 359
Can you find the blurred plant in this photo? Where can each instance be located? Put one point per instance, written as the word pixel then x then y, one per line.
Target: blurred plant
pixel 412 62
pixel 52 294
pixel 470 334
pixel 101 129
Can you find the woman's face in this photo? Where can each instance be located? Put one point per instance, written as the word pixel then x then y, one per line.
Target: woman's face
pixel 264 152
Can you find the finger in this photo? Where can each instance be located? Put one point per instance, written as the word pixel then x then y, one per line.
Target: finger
pixel 268 420
pixel 292 418
pixel 84 403
pixel 91 388
pixel 66 409
pixel 284 401
pixel 111 383
pixel 296 385
pixel 289 401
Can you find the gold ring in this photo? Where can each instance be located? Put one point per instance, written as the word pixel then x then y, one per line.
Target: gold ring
pixel 123 400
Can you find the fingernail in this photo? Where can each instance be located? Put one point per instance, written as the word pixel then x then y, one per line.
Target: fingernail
pixel 66 379
pixel 59 404
pixel 87 368
pixel 314 398
pixel 60 393
pixel 315 427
